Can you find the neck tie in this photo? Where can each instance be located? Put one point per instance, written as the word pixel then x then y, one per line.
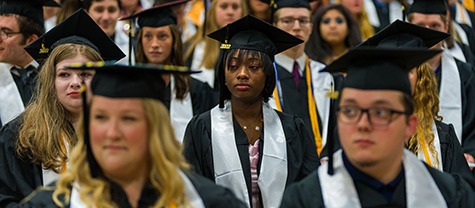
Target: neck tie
pixel 24 73
pixel 296 73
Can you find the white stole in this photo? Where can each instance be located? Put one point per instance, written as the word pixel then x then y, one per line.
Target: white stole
pixel 436 142
pixel 459 30
pixel 322 82
pixel 338 190
pixel 190 192
pixel 461 15
pixel 395 12
pixel 11 104
pixel 450 94
pixel 228 171
pixel 181 111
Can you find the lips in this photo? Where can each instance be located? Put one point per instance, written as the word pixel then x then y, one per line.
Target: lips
pixel 115 147
pixel 243 86
pixel 364 143
pixel 75 94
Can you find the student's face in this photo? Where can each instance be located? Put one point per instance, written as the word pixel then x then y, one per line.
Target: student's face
pixel 11 47
pixel 68 83
pixel 245 78
pixel 105 13
pixel 227 11
pixel 119 136
pixel 355 6
pixel 333 27
pixel 295 28
pixel 432 21
pixel 365 144
pixel 157 44
pixel 257 6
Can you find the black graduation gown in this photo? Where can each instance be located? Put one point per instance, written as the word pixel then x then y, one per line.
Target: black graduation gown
pixel 470 36
pixel 467 53
pixel 382 10
pixel 307 192
pixel 453 160
pixel 211 194
pixel 467 80
pixel 202 97
pixel 296 98
pixel 302 158
pixel 18 177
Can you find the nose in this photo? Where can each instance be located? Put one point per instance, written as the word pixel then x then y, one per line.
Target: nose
pixel 75 82
pixel 296 25
pixel 112 131
pixel 155 43
pixel 242 73
pixel 364 122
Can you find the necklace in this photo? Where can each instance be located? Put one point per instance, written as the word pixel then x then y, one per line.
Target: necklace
pixel 257 128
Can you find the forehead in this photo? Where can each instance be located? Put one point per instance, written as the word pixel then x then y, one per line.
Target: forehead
pixel 8 22
pixel 99 101
pixel 293 12
pixel 105 3
pixel 165 28
pixel 424 18
pixel 333 12
pixel 367 98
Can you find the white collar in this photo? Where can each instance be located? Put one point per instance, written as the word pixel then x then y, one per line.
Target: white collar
pixel 288 63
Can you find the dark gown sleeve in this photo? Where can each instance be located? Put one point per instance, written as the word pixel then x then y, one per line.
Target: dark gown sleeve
pixel 18 178
pixel 453 160
pixel 305 193
pixel 42 197
pixel 302 156
pixel 468 111
pixel 212 194
pixel 202 96
pixel 197 145
pixel 456 191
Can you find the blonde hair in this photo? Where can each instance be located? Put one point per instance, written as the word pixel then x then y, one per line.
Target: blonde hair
pixel 366 29
pixel 426 107
pixel 211 50
pixel 166 160
pixel 46 125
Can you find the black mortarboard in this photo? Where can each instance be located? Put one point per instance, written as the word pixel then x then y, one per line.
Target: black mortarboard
pixel 157 16
pixel 372 68
pixel 32 9
pixel 401 34
pixel 252 33
pixel 122 81
pixel 429 7
pixel 79 28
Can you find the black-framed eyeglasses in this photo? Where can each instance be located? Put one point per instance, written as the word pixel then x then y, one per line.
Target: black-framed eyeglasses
pixel 377 116
pixel 4 34
pixel 290 21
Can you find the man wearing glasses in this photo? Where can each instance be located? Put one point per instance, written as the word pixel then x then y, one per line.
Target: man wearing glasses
pixel 375 117
pixel 21 22
pixel 300 89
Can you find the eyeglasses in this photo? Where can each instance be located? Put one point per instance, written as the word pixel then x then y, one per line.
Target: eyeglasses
pixel 288 22
pixel 377 116
pixel 7 34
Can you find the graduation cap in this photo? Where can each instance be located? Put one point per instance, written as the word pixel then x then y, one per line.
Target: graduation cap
pixel 79 28
pixel 252 33
pixel 32 9
pixel 157 16
pixel 429 7
pixel 400 34
pixel 123 81
pixel 372 68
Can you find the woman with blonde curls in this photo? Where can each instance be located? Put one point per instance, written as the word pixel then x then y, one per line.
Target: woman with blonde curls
pixel 129 156
pixel 434 141
pixel 201 52
pixel 34 147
